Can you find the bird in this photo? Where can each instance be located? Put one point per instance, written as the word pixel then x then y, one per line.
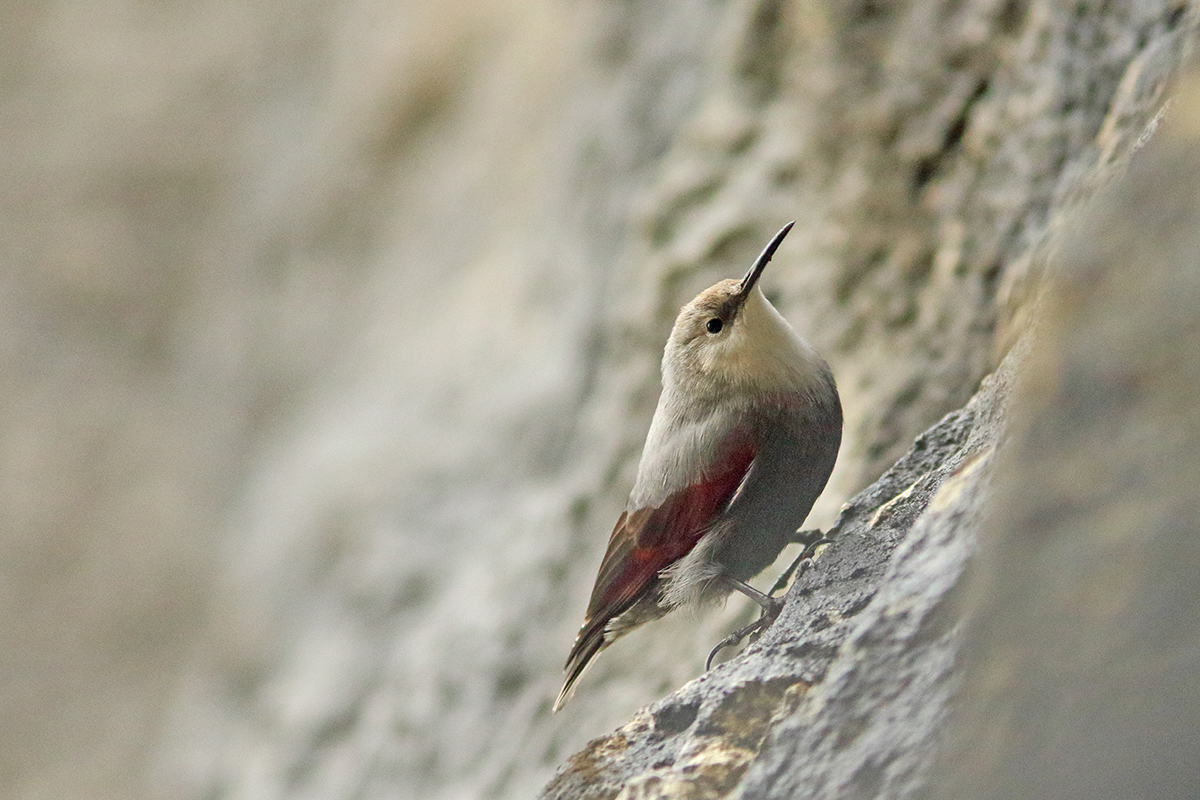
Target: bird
pixel 742 442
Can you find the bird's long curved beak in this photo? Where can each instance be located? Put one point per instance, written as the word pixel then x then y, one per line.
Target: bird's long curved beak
pixel 751 278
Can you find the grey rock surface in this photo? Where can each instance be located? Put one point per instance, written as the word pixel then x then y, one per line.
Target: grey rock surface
pixel 1007 612
pixel 330 333
pixel 1078 670
pixel 842 693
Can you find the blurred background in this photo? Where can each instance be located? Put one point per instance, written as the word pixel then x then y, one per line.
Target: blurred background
pixel 329 336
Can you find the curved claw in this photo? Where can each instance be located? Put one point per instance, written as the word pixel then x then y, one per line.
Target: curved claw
pixel 811 541
pixel 771 605
pixel 729 641
pixel 736 637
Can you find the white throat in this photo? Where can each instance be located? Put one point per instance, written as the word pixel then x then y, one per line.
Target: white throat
pixel 762 352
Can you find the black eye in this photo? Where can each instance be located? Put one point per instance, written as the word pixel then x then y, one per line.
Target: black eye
pixel 714 325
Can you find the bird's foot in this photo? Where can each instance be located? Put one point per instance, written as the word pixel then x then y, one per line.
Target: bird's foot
pixel 811 541
pixel 735 638
pixel 770 604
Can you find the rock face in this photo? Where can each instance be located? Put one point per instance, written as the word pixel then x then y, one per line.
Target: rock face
pixel 844 691
pixel 1067 648
pixel 333 339
pixel 1078 671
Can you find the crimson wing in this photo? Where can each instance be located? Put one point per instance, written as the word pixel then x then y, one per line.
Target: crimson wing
pixel 645 542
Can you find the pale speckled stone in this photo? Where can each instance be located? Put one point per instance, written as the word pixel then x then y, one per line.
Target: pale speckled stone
pixel 1067 640
pixel 856 667
pixel 1079 677
pixel 331 335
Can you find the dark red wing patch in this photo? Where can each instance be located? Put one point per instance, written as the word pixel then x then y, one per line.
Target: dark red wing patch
pixel 645 542
pixel 648 540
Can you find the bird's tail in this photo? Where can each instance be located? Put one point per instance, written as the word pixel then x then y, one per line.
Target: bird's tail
pixel 588 644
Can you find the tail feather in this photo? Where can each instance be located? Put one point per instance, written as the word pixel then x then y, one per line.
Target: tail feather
pixel 588 645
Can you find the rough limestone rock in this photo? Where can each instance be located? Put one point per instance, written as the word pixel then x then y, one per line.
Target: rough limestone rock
pixel 1008 612
pixel 1078 672
pixel 843 694
pixel 331 336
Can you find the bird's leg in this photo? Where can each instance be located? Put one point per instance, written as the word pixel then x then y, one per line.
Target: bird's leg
pixel 733 639
pixel 771 605
pixel 811 541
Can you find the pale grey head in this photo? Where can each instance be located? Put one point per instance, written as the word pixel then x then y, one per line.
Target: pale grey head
pixel 731 340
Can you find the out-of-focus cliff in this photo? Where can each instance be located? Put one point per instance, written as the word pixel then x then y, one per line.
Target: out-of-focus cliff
pixel 1007 612
pixel 330 332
